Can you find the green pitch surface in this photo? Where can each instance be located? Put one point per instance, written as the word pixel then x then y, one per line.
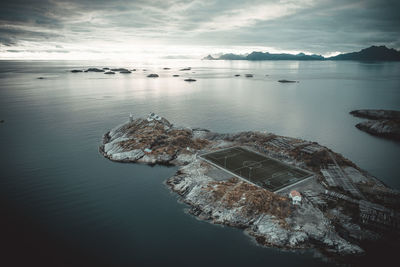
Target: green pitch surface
pixel 258 169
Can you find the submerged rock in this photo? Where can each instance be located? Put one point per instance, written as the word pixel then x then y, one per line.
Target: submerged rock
pixel 125 72
pixel 189 80
pixel 152 75
pixel 237 75
pixel 76 71
pixel 184 69
pixel 249 75
pixel 175 75
pixel 109 72
pixel 287 81
pixel 2 121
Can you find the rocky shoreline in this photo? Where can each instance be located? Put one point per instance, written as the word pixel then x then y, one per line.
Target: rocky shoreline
pixel 384 123
pixel 336 215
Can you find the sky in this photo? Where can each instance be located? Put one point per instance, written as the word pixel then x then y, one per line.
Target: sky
pixel 122 29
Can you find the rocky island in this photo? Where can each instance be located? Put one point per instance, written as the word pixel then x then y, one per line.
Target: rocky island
pixel 336 209
pixel 384 123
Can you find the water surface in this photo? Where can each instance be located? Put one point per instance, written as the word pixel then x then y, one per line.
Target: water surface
pixel 64 203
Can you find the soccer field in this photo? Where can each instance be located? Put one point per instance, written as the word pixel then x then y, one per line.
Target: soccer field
pixel 261 170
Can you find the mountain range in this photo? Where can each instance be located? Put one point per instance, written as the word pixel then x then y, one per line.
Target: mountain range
pixel 373 53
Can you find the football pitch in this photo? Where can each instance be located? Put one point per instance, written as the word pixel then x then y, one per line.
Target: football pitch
pixel 261 170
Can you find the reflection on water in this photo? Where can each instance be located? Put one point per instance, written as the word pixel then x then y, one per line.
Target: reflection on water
pixel 54 177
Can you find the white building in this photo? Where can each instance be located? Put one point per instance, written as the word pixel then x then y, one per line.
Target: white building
pixel 295 197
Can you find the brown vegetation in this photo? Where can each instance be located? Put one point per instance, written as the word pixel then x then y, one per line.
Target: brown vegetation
pixel 158 137
pixel 253 200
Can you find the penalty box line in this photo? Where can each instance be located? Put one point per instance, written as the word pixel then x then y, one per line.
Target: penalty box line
pixel 249 167
pixel 238 152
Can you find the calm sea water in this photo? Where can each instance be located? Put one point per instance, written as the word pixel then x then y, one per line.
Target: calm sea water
pixel 63 203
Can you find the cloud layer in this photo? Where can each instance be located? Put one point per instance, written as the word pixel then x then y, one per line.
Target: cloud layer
pixel 100 28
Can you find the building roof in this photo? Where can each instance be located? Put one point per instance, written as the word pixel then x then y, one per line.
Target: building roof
pixel 294 193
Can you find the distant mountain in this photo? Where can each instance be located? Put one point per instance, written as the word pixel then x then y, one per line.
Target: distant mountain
pixel 373 53
pixel 232 57
pixel 209 57
pixel 268 56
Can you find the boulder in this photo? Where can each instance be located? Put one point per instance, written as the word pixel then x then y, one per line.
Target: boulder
pixel 94 70
pixel 119 69
pixel 384 128
pixel 287 81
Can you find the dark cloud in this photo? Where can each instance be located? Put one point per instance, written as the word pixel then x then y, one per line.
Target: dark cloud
pixel 314 26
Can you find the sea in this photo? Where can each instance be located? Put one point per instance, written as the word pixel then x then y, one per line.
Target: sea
pixel 64 204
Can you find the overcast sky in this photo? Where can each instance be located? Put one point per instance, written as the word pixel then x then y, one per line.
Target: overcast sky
pixel 91 29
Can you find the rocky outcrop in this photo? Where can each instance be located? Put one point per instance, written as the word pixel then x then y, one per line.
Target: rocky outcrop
pixel 264 215
pixel 119 69
pixel 76 71
pixel 384 123
pixel 384 128
pixel 94 70
pixel 269 217
pixel 152 75
pixel 376 114
pixel 109 72
pixel 190 80
pixel 287 81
